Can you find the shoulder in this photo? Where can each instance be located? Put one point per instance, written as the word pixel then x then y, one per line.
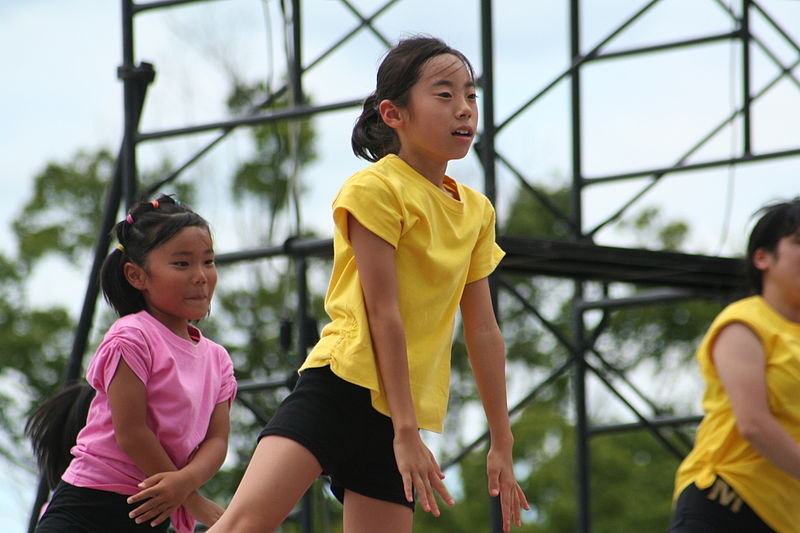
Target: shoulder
pixel 384 174
pixel 747 310
pixel 742 317
pixel 474 197
pixel 133 326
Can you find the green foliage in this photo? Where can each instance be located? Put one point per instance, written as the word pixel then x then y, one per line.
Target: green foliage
pixel 61 217
pixel 281 148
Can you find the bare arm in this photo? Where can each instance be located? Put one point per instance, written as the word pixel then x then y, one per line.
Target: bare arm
pixel 376 263
pixel 487 357
pixel 166 487
pixel 740 361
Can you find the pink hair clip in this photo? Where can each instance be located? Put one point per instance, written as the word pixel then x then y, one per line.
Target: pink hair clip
pixel 129 219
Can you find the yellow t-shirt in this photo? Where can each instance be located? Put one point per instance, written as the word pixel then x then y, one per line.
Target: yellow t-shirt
pixel 442 243
pixel 719 448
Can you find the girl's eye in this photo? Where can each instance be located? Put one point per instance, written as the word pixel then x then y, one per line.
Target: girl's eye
pixel 181 263
pixel 472 96
pixel 444 95
pixel 211 262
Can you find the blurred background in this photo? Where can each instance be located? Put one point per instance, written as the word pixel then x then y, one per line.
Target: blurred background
pixel 656 150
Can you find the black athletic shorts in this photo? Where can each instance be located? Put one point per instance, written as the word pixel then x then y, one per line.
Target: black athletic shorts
pixel 81 510
pixel 717 509
pixel 334 419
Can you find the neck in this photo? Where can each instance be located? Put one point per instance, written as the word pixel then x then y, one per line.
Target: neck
pixel 430 170
pixel 786 307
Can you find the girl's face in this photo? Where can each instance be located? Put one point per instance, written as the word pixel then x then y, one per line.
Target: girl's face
pixel 178 279
pixel 439 123
pixel 781 268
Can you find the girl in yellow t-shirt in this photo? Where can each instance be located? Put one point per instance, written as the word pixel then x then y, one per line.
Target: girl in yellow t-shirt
pixel 411 246
pixel 743 474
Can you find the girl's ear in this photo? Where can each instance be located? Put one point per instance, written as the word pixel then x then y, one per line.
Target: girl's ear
pixel 135 275
pixel 391 114
pixel 762 258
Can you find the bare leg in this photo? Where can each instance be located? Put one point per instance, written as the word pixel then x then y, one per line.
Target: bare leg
pixel 280 471
pixel 363 514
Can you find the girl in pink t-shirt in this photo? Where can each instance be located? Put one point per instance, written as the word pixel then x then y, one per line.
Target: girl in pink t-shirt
pixel 157 426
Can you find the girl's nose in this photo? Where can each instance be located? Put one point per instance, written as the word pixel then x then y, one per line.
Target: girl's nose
pixel 200 276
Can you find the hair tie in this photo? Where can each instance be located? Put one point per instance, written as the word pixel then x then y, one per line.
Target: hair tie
pixel 121 248
pixel 129 219
pixel 155 204
pixel 176 202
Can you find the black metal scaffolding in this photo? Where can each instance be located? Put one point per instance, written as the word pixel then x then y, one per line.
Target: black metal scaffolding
pixel 667 276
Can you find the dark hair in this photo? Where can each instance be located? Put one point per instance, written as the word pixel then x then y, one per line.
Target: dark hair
pixel 53 428
pixel 147 225
pixel 777 221
pixel 399 71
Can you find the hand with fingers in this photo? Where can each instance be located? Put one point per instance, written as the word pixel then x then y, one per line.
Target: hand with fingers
pixel 162 494
pixel 420 472
pixel 500 470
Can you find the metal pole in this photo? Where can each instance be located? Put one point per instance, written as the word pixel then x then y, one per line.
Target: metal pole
pixel 488 160
pixel 579 342
pixel 130 122
pixel 746 97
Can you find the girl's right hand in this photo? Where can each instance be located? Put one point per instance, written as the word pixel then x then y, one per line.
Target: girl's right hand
pixel 161 493
pixel 420 471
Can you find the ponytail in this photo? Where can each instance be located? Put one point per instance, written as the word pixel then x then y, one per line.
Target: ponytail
pixel 53 428
pixel 372 139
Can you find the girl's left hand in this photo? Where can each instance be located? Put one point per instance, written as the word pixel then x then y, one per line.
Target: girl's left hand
pixel 499 468
pixel 164 492
pixel 202 509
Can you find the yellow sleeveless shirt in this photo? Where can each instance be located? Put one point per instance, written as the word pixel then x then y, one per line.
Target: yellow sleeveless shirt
pixel 719 448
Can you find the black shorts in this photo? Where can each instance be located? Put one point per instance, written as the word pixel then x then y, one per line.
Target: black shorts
pixel 717 509
pixel 334 419
pixel 81 510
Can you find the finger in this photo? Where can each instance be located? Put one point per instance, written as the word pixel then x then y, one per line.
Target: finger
pixel 408 487
pixel 142 509
pixel 438 470
pixel 523 498
pixel 494 482
pixel 432 498
pixel 146 515
pixel 163 516
pixel 140 496
pixel 505 506
pixel 515 508
pixel 150 481
pixel 443 492
pixel 422 493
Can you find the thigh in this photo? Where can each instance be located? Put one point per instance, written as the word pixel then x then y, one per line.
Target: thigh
pixel 363 514
pixel 280 471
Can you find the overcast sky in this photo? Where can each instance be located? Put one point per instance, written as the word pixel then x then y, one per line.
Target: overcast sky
pixel 60 95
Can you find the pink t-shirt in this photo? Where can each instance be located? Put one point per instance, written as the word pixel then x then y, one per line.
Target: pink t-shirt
pixel 184 382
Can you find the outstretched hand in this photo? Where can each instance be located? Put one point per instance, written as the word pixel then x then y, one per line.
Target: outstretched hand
pixel 420 472
pixel 499 468
pixel 162 494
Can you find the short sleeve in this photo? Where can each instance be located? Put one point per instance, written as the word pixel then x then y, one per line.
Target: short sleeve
pixel 227 387
pixel 129 344
pixel 373 203
pixel 486 254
